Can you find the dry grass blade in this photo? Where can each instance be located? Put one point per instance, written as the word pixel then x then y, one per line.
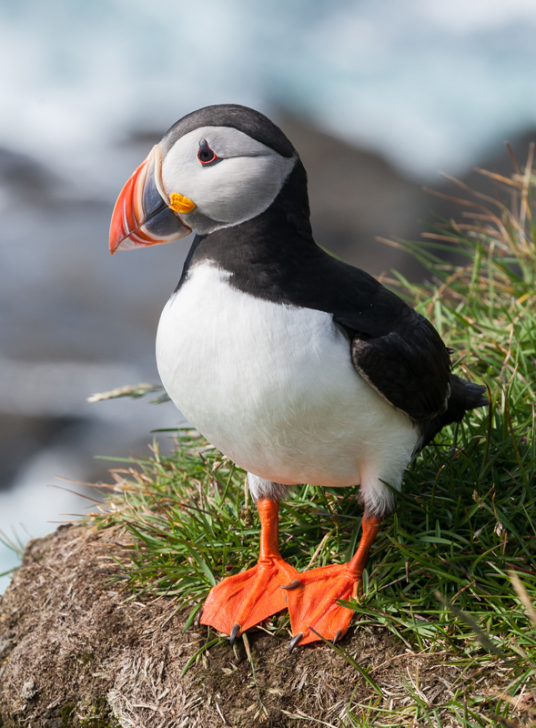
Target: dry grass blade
pixel 498 177
pixel 525 206
pixel 130 390
pixel 523 596
pixel 513 159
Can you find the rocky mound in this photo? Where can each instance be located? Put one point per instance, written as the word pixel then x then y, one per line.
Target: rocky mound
pixel 76 650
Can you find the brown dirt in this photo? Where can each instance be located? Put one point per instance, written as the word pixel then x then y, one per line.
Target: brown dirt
pixel 74 652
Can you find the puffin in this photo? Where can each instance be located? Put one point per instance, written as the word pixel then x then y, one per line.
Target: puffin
pixel 298 367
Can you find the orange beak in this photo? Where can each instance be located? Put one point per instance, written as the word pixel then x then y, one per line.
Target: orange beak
pixel 142 215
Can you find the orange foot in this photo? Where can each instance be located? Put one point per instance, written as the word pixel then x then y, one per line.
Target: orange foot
pixel 312 603
pixel 244 600
pixel 313 596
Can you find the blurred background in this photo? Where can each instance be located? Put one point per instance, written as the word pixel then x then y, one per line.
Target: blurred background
pixel 378 97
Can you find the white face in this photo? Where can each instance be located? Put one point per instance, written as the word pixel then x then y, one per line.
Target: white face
pixel 244 181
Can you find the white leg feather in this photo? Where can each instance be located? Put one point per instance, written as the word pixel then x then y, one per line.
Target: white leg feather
pixel 261 488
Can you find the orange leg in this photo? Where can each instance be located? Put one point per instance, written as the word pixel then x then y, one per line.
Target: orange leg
pixel 242 601
pixel 313 595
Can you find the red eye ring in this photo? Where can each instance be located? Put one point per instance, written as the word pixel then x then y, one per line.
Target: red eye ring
pixel 205 154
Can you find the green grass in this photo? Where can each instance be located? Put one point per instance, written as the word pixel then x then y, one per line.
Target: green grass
pixel 438 577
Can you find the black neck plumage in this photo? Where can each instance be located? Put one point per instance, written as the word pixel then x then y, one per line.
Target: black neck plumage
pixel 267 255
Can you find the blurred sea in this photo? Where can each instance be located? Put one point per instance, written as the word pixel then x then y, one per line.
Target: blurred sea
pixel 86 89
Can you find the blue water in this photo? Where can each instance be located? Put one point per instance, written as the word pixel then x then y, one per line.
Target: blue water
pixel 430 84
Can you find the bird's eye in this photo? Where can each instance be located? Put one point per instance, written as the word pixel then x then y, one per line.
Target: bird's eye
pixel 206 155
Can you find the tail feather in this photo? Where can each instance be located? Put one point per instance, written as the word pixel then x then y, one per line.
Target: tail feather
pixel 464 396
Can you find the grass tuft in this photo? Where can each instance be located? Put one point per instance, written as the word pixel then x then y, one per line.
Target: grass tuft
pixel 453 570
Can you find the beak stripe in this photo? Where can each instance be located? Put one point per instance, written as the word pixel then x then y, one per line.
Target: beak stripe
pixel 142 215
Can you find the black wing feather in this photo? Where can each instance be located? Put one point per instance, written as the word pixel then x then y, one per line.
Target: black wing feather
pixel 408 365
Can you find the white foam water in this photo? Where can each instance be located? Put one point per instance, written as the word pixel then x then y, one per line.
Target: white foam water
pixel 428 83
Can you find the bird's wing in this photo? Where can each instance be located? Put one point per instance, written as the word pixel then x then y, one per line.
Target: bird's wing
pixel 408 365
pixel 395 349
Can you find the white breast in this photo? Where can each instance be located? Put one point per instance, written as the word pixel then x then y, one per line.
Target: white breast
pixel 273 387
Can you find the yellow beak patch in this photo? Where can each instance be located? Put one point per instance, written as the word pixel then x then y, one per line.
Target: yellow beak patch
pixel 180 203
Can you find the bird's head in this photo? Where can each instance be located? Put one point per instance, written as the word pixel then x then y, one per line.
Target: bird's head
pixel 217 167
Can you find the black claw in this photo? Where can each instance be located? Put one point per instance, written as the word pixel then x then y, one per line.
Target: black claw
pixel 338 635
pixel 294 584
pixel 294 641
pixel 198 617
pixel 235 630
